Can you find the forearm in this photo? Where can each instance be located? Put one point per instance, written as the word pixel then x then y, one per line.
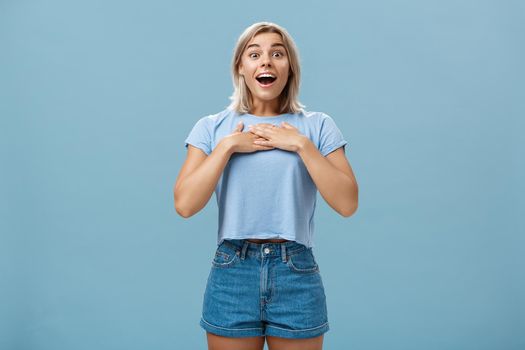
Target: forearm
pixel 337 188
pixel 195 190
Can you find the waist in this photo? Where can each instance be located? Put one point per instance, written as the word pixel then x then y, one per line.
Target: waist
pixel 254 240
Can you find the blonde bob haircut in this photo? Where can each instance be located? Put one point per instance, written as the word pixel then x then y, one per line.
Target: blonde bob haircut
pixel 241 99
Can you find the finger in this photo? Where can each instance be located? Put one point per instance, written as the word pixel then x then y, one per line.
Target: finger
pixel 258 131
pixel 239 126
pixel 262 130
pixel 260 147
pixel 262 142
pixel 287 126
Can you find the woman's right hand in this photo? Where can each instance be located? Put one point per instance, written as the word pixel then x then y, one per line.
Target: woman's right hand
pixel 242 142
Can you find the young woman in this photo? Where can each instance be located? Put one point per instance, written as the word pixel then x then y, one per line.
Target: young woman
pixel 265 157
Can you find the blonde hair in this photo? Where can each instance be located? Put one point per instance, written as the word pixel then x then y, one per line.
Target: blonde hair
pixel 241 97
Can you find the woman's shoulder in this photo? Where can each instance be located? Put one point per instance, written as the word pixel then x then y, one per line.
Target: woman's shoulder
pixel 315 117
pixel 215 118
pixel 312 114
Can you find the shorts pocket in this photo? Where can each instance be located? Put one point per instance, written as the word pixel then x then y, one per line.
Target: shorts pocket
pixel 225 257
pixel 303 262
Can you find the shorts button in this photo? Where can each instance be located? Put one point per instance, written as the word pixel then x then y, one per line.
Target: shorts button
pixel 266 250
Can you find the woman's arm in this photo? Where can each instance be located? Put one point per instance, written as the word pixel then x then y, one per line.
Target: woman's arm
pixel 332 175
pixel 200 173
pixel 199 176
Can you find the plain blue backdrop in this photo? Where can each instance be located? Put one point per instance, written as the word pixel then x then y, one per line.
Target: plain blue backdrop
pixel 97 97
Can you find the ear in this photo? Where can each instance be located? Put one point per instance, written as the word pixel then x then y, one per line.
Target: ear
pixel 241 70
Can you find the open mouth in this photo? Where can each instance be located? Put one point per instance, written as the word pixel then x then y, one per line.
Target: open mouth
pixel 266 81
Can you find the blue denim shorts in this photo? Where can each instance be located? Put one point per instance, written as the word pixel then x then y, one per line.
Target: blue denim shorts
pixel 258 289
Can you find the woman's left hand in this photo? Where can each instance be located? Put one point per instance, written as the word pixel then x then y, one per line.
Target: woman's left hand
pixel 285 136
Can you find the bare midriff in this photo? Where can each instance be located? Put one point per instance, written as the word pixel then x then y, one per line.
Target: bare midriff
pixel 267 240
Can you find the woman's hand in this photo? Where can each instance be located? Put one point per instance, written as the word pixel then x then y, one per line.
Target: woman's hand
pixel 286 136
pixel 243 142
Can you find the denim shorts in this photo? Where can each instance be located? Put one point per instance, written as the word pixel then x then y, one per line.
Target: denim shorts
pixel 258 289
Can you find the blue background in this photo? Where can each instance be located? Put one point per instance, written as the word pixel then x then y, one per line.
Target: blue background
pixel 96 98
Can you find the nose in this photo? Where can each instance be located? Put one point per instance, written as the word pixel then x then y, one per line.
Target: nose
pixel 266 60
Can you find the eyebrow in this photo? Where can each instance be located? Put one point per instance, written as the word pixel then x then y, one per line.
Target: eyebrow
pixel 276 44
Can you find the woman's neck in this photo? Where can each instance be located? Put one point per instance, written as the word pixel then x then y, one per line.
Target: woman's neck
pixel 264 108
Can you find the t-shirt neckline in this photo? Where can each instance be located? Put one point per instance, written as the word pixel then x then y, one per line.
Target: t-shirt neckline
pixel 266 117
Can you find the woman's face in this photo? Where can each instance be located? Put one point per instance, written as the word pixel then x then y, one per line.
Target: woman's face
pixel 265 53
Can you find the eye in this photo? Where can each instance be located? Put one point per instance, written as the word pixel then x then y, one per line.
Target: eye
pixel 255 53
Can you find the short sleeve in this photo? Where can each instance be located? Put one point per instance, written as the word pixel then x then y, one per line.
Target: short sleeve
pixel 330 137
pixel 200 135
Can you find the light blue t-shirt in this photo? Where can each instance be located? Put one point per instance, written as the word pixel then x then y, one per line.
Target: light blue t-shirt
pixel 266 194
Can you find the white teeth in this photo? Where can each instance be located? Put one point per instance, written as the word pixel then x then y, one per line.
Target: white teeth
pixel 266 75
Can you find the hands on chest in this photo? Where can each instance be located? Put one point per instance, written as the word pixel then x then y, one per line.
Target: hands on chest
pixel 265 136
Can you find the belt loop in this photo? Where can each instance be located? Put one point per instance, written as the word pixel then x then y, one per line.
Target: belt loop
pixel 244 248
pixel 283 252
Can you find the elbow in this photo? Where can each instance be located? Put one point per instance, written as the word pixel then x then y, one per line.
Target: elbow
pixel 347 212
pixel 351 208
pixel 183 212
pixel 180 208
